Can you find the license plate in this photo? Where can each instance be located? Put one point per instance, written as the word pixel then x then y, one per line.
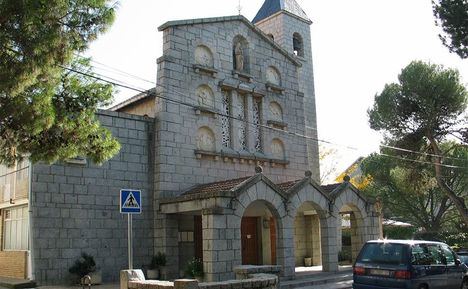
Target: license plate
pixel 380 272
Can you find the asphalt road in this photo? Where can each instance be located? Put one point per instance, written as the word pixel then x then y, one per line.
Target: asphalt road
pixel 337 285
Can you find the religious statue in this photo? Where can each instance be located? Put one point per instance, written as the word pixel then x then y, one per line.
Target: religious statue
pixel 239 55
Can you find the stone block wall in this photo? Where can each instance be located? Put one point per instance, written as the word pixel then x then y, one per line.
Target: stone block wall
pixel 283 27
pixel 177 165
pixel 76 207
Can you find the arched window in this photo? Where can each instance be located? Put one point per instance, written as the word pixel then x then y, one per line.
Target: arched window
pixel 203 56
pixel 205 96
pixel 277 149
pixel 276 111
pixel 206 139
pixel 273 76
pixel 240 53
pixel 298 45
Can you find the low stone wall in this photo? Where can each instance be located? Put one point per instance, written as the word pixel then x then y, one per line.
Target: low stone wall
pixel 135 279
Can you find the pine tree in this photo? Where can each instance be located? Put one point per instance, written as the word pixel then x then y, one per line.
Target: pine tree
pixel 47 112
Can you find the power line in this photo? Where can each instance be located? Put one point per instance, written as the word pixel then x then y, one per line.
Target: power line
pixel 13 172
pixel 422 162
pixel 313 128
pixel 233 117
pixel 116 70
pixel 419 153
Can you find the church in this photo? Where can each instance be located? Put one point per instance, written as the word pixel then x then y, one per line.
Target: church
pixel 225 153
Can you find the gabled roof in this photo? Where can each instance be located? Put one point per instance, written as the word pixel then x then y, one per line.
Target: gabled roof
pixel 272 7
pixel 241 18
pixel 223 186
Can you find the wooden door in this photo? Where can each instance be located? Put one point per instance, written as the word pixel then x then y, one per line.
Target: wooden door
pixel 249 238
pixel 198 237
pixel 273 240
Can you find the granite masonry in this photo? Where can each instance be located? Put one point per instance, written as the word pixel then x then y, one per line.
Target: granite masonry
pixel 225 152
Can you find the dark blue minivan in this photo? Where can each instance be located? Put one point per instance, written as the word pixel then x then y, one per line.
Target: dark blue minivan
pixel 408 264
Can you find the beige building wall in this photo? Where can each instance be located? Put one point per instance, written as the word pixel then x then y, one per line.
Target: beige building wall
pixel 144 107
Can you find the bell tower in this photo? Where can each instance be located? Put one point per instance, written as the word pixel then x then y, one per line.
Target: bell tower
pixel 289 26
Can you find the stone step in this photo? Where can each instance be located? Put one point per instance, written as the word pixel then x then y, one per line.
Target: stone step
pixel 317 279
pixel 14 283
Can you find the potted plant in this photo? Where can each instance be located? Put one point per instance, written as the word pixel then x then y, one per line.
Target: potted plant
pixel 307 261
pixel 157 263
pixel 85 265
pixel 194 269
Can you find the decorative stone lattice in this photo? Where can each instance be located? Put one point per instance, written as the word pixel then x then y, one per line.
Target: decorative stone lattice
pixel 242 123
pixel 225 121
pixel 273 76
pixel 206 139
pixel 205 96
pixel 276 111
pixel 257 106
pixel 203 56
pixel 277 149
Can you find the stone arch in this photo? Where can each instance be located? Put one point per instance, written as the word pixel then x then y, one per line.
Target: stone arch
pixel 353 218
pixel 206 140
pixel 298 44
pixel 273 199
pixel 205 96
pixel 276 111
pixel 241 54
pixel 313 227
pixel 273 75
pixel 277 149
pixel 204 56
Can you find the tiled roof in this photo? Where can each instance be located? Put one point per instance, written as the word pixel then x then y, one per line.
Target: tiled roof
pixel 222 186
pixel 271 7
pixel 287 185
pixel 330 188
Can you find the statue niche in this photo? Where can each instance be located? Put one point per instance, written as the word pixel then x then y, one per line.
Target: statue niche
pixel 240 54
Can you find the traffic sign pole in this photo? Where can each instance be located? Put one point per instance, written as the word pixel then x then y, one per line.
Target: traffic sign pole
pixel 130 246
pixel 130 203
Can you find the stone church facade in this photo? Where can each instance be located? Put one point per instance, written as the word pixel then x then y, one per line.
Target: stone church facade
pixel 225 152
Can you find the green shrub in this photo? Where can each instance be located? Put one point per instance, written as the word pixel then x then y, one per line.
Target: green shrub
pixel 194 268
pixel 158 260
pixel 83 265
pixel 399 233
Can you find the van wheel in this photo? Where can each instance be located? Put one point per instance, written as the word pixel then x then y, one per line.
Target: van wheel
pixel 465 284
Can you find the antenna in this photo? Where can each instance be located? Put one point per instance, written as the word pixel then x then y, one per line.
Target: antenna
pixel 239 7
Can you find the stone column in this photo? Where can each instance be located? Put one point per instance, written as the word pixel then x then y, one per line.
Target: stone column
pixel 217 256
pixel 167 241
pixel 285 247
pixel 316 240
pixel 329 239
pixel 357 228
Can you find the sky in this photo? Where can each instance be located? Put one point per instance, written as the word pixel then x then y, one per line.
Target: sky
pixel 358 46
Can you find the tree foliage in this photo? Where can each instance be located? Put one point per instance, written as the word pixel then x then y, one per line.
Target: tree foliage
pixel 425 108
pixel 452 16
pixel 47 113
pixel 410 192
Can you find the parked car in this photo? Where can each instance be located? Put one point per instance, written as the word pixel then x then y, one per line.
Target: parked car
pixel 408 264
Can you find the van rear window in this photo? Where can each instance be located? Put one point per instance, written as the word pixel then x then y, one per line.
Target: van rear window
pixel 384 253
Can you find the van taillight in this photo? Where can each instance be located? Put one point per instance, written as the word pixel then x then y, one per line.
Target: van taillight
pixel 402 274
pixel 359 270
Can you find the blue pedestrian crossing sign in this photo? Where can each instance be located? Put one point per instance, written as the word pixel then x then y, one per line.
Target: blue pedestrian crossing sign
pixel 130 201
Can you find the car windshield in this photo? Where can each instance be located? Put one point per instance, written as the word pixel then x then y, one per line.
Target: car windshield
pixel 464 259
pixel 384 253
